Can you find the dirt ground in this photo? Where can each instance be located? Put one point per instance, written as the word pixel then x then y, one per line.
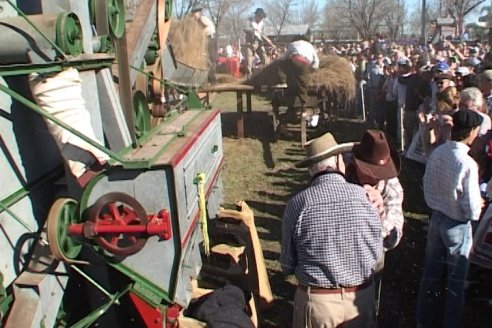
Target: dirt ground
pixel 266 180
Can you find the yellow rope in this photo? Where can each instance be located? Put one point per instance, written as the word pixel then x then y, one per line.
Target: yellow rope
pixel 201 180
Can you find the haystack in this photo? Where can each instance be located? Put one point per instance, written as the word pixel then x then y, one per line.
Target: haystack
pixel 334 75
pixel 268 76
pixel 189 42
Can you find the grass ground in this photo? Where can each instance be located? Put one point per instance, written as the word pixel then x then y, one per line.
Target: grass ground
pixel 259 169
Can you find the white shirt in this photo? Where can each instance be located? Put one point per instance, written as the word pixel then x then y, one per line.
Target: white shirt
pixel 451 182
pixel 486 123
pixel 304 49
pixel 257 27
pixel 208 26
pixel 229 51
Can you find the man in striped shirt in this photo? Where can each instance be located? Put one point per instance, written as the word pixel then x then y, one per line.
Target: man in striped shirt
pixel 331 241
pixel 451 189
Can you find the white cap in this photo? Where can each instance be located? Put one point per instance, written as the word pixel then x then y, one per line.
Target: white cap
pixel 464 71
pixel 404 61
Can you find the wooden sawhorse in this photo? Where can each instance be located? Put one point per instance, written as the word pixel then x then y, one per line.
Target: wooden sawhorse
pixel 315 102
pixel 239 89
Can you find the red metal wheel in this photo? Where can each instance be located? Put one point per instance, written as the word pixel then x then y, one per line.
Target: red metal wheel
pixel 119 209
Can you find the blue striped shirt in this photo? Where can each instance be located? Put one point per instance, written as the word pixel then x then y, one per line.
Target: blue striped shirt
pixel 331 234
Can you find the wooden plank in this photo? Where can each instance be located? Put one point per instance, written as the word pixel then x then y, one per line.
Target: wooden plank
pixel 225 87
pixel 240 117
pixel 139 33
pixel 113 120
pixel 245 214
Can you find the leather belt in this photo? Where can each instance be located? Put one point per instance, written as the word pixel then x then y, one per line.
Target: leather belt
pixel 321 290
pixel 300 59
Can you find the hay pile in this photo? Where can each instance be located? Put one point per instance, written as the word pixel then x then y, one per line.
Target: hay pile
pixel 226 78
pixel 189 42
pixel 268 76
pixel 334 75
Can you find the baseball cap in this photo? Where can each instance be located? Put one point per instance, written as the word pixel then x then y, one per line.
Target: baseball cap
pixel 465 119
pixel 443 76
pixel 487 74
pixel 464 71
pixel 403 61
pixel 441 67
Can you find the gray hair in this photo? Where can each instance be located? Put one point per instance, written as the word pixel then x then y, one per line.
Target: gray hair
pixel 473 95
pixel 330 162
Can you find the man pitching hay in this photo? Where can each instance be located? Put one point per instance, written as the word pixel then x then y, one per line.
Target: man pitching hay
pixel 301 59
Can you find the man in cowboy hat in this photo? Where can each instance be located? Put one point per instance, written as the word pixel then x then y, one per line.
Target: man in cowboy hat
pixel 452 191
pixel 254 40
pixel 375 166
pixel 331 241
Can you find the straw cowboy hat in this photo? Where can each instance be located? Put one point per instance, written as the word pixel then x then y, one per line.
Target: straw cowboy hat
pixel 321 148
pixel 374 157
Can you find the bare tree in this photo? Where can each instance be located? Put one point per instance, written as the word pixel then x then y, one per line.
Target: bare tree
pixel 336 25
pixel 363 15
pixel 309 13
pixel 279 13
pixel 414 20
pixel 218 9
pixel 458 9
pixel 234 22
pixel 183 7
pixel 395 18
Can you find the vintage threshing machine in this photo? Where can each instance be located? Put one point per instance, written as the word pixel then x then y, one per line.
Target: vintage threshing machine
pixel 81 77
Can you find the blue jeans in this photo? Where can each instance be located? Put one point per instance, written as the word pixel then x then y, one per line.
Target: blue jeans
pixel 448 247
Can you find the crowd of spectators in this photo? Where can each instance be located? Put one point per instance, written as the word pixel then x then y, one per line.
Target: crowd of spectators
pixel 407 88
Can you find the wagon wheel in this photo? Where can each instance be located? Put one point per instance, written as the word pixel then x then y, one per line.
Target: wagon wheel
pixel 118 209
pixel 61 215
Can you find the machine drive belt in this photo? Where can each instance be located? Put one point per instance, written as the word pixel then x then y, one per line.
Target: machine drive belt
pixel 125 85
pixel 102 21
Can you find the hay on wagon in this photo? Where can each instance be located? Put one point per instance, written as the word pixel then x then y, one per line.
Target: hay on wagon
pixel 334 75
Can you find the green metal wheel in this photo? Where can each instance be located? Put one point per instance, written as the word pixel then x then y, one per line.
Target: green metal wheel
pixel 142 114
pixel 69 34
pixel 168 10
pixel 114 10
pixel 61 215
pixel 107 45
pixel 116 17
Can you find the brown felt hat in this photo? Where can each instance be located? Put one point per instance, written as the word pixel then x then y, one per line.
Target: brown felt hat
pixel 321 148
pixel 374 157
